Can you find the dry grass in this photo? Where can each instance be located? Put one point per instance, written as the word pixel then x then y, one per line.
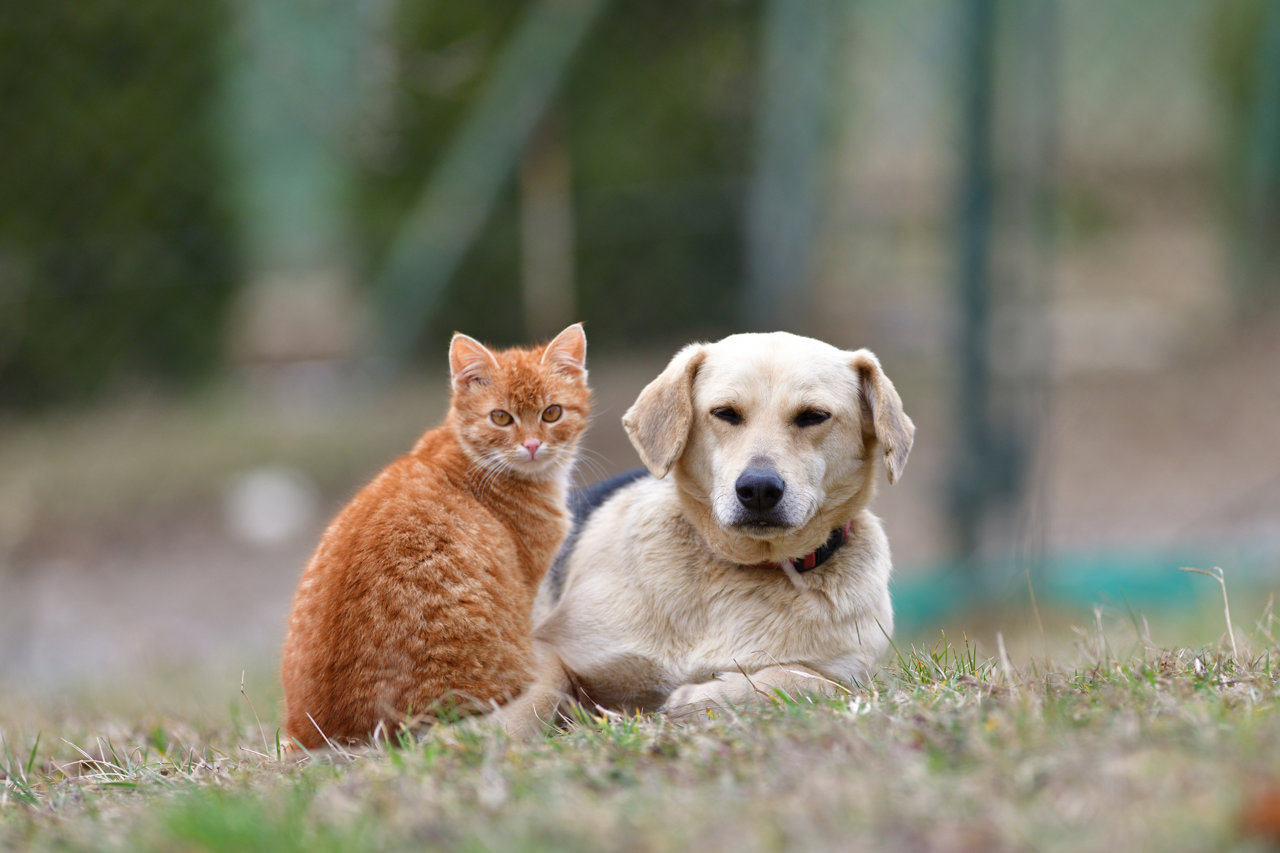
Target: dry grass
pixel 1113 743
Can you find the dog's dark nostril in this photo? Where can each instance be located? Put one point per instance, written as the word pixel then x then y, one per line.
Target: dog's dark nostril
pixel 759 489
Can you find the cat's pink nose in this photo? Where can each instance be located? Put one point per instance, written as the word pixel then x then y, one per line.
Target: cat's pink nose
pixel 532 446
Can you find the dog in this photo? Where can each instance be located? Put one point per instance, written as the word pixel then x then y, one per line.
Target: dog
pixel 743 563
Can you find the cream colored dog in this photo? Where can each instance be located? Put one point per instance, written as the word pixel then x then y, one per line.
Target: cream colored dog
pixel 755 567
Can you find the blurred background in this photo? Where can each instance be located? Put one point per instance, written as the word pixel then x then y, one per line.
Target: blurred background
pixel 235 237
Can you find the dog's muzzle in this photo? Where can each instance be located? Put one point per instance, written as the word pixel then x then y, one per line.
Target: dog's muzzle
pixel 759 492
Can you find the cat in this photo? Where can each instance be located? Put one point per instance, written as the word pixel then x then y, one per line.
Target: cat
pixel 419 596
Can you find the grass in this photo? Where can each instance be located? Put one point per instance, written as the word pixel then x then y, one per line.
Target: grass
pixel 1113 742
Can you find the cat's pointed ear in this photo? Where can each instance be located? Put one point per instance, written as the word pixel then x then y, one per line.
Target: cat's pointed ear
pixel 567 352
pixel 469 361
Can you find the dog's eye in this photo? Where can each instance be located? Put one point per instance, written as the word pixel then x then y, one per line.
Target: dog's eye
pixel 728 415
pixel 811 417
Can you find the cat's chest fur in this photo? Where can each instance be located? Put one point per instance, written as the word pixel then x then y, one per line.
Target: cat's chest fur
pixel 532 518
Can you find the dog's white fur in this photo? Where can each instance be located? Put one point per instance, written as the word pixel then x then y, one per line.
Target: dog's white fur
pixel 664 603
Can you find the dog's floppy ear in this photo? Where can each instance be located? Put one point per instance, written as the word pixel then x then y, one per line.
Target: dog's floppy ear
pixel 883 417
pixel 658 422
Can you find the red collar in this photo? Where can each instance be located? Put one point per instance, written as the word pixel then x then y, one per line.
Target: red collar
pixel 816 558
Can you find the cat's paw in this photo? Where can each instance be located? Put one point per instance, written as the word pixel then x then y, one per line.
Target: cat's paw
pixel 524 721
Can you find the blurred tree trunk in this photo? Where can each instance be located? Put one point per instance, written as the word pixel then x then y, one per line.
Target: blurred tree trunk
pixel 546 230
pixel 790 142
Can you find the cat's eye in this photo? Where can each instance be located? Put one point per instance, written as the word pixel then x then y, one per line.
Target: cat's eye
pixel 501 418
pixel 552 414
pixel 811 417
pixel 728 414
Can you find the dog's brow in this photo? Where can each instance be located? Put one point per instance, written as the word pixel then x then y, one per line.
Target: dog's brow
pixel 814 398
pixel 726 398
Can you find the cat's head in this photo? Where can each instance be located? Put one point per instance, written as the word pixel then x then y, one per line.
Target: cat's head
pixel 521 411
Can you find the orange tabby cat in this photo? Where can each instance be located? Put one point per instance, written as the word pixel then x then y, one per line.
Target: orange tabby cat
pixel 422 587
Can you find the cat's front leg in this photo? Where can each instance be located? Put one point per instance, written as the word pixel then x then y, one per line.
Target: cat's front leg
pixel 730 690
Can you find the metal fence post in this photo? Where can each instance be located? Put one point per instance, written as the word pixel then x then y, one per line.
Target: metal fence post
pixel 1260 180
pixel 785 184
pixel 971 489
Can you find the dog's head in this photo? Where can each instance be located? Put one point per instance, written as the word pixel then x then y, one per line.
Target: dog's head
pixel 773 438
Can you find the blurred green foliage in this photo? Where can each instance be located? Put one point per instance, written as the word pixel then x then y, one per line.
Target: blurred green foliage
pixel 1244 48
pixel 1235 55
pixel 656 114
pixel 117 258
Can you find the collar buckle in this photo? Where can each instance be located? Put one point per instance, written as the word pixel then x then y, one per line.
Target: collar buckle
pixel 816 558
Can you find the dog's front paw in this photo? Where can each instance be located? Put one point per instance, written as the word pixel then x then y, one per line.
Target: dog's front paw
pixel 726 690
pixel 690 698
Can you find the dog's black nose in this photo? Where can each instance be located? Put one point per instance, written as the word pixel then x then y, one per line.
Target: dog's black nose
pixel 759 489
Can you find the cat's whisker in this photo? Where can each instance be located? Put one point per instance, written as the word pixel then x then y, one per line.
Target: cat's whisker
pixel 497 469
pixel 489 467
pixel 488 476
pixel 588 472
pixel 592 454
pixel 595 464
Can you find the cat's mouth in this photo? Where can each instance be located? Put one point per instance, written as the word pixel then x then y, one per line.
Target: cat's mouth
pixel 541 462
pixel 534 455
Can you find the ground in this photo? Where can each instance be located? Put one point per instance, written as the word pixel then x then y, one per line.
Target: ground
pixel 1124 746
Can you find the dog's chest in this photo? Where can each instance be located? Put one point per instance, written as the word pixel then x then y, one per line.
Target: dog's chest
pixel 758 618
